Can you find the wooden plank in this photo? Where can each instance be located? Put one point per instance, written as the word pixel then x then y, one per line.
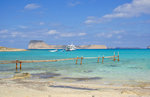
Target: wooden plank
pixel 90 57
pixel 54 60
pixel 32 61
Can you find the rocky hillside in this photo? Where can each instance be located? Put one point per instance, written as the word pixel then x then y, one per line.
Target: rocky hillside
pixel 10 49
pixel 91 47
pixel 39 44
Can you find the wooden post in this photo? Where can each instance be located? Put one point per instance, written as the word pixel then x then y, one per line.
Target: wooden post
pixel 81 60
pixel 77 60
pixel 20 65
pixel 118 56
pixel 114 57
pixel 98 60
pixel 102 59
pixel 16 64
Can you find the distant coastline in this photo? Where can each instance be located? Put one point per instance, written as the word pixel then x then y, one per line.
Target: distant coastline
pixel 127 48
pixel 5 49
pixel 39 44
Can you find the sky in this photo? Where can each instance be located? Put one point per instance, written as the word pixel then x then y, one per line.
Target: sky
pixel 114 23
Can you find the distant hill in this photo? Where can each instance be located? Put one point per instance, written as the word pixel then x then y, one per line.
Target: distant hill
pixel 148 47
pixel 11 49
pixel 39 44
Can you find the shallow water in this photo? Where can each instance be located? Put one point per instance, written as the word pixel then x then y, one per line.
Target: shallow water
pixel 134 65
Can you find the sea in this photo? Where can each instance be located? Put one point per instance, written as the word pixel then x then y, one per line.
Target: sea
pixel 134 65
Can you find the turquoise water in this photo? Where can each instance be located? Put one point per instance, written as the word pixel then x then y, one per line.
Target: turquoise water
pixel 134 64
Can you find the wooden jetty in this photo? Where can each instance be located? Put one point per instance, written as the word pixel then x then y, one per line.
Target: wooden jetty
pixel 55 60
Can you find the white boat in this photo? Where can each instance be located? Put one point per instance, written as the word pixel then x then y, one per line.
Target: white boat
pixel 70 47
pixel 53 50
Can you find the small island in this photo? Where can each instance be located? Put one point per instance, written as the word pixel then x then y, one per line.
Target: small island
pixel 40 44
pixel 4 49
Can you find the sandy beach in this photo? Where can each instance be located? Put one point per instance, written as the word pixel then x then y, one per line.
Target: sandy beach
pixel 26 87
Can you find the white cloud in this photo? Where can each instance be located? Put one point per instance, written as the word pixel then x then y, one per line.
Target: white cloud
pixel 41 23
pixel 106 35
pixel 118 31
pixel 14 34
pixel 117 42
pixel 31 6
pixel 74 3
pixel 22 27
pixel 67 35
pixel 17 34
pixel 134 9
pixel 81 34
pixel 92 20
pixel 3 31
pixel 119 37
pixel 72 34
pixel 111 34
pixel 52 32
pixel 7 34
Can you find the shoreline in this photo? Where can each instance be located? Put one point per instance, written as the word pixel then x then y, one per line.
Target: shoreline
pixel 22 85
pixel 12 50
pixel 40 88
pixel 5 49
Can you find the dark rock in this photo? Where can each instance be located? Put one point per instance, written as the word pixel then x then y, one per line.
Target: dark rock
pixel 83 79
pixel 45 75
pixel 80 88
pixel 88 71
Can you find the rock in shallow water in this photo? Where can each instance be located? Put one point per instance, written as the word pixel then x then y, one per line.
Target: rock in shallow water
pixel 83 79
pixel 21 75
pixel 45 75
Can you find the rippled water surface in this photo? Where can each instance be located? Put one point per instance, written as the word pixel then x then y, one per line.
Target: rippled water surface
pixel 134 65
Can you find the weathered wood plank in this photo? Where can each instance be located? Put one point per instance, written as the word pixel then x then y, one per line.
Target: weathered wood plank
pixel 54 60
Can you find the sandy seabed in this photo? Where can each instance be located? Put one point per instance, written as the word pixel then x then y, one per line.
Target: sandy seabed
pixel 45 88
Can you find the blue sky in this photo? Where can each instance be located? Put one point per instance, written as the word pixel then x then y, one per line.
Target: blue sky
pixel 114 23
